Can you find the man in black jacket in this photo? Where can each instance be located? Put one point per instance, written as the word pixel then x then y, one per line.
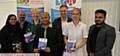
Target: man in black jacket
pixel 101 36
pixel 60 23
pixel 25 27
pixel 46 31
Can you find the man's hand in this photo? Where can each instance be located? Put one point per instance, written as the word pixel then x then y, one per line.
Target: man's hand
pixel 47 49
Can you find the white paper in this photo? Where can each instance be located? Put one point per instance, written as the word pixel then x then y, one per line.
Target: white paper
pixel 28 36
pixel 42 43
pixel 71 44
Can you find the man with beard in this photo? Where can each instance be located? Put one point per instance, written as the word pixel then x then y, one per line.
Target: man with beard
pixel 46 31
pixel 24 27
pixel 101 36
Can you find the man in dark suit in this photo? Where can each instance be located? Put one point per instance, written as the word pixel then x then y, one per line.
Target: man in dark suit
pixel 101 36
pixel 60 23
pixel 25 27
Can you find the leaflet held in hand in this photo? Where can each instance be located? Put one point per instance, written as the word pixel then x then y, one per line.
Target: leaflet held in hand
pixel 28 36
pixel 71 44
pixel 42 43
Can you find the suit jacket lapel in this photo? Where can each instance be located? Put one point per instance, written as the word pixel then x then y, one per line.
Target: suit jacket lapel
pixel 100 31
pixel 60 24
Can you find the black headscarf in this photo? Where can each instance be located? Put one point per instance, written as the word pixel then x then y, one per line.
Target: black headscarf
pixel 9 34
pixel 10 27
pixel 8 19
pixel 12 30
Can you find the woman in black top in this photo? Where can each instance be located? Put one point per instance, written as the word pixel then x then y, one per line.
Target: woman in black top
pixel 9 35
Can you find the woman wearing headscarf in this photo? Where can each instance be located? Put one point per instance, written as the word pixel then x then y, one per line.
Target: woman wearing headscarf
pixel 9 35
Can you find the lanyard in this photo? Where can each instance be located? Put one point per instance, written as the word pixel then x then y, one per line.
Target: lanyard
pixel 45 32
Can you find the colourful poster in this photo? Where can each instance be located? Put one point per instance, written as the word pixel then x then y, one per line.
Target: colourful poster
pixel 28 12
pixel 69 3
pixel 27 5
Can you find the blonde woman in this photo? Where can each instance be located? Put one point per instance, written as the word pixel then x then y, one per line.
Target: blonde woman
pixel 75 30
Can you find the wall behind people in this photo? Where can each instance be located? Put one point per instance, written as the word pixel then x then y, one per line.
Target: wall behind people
pixel 113 9
pixel 111 6
pixel 6 7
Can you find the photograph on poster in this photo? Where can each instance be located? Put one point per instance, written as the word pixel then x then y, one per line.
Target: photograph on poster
pixel 59 2
pixel 70 2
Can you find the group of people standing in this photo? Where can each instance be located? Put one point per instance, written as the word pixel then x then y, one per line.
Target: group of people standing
pixel 98 41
